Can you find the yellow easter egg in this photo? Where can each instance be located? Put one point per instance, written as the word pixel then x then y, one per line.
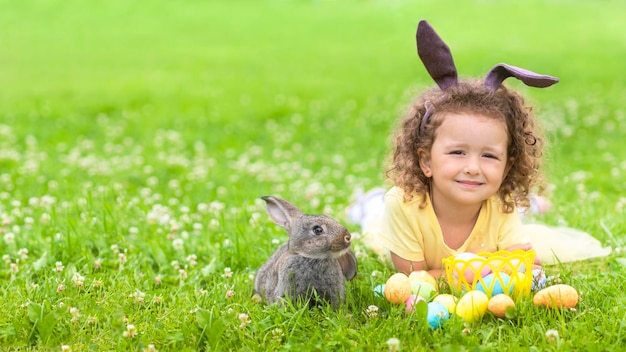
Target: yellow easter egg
pixel 397 288
pixel 448 300
pixel 498 305
pixel 424 276
pixel 557 296
pixel 472 306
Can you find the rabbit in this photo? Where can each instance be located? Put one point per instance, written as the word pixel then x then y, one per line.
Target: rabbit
pixel 313 264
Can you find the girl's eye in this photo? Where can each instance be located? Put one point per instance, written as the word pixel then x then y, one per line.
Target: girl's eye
pixel 318 230
pixel 456 152
pixel 490 156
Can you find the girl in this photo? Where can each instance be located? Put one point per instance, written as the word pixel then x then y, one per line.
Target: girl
pixel 466 155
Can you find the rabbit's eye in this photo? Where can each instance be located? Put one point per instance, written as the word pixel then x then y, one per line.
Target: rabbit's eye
pixel 318 230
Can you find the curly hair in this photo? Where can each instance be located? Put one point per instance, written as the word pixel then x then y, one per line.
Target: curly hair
pixel 471 96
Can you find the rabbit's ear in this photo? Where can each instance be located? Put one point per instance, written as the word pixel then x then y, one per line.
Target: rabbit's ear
pixel 500 72
pixel 282 212
pixel 348 265
pixel 436 56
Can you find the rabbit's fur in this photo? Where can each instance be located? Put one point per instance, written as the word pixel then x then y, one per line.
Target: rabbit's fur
pixel 312 264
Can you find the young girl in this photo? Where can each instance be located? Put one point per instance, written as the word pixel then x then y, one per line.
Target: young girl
pixel 466 155
pixel 458 176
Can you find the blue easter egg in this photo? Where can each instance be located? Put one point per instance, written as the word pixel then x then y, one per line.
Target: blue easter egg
pixel 379 291
pixel 437 314
pixel 497 286
pixel 539 279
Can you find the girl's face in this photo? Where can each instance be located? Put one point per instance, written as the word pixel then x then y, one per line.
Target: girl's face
pixel 467 161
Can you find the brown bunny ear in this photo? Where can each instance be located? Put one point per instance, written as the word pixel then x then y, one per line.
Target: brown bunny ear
pixel 500 72
pixel 348 265
pixel 435 55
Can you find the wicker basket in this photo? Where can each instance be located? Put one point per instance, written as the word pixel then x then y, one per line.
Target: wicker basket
pixel 506 271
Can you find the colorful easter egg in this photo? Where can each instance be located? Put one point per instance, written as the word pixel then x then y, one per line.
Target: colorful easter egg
pixel 539 279
pixel 447 300
pixel 437 314
pixel 424 276
pixel 423 289
pixel 397 288
pixel 495 284
pixel 411 301
pixel 472 306
pixel 557 296
pixel 379 290
pixel 498 304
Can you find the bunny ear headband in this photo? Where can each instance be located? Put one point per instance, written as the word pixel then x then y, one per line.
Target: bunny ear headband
pixel 438 61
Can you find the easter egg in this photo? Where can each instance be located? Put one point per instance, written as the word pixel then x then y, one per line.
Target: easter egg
pixel 557 296
pixel 495 284
pixel 470 265
pixel 447 300
pixel 498 304
pixel 397 288
pixel 437 314
pixel 411 301
pixel 539 279
pixel 472 306
pixel 423 289
pixel 424 276
pixel 379 290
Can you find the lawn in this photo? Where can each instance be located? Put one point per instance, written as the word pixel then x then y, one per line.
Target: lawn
pixel 137 137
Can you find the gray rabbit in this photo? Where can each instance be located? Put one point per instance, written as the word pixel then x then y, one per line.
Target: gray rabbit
pixel 312 264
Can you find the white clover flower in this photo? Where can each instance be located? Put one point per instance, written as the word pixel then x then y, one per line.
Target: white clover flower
pixel 178 244
pixel 138 296
pixel 23 253
pixel 245 320
pixel 75 314
pixel 227 273
pixel 150 348
pixel 45 218
pixel 9 238
pixel 192 259
pixel 393 344
pixel 214 224
pixel 372 311
pixel 78 280
pixel 59 267
pixel 552 335
pixel 131 331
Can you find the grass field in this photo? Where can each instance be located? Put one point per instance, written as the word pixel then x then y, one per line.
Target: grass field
pixel 137 137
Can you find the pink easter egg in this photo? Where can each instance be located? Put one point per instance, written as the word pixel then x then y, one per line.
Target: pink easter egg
pixel 411 301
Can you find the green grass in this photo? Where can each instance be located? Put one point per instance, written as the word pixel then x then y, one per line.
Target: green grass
pixel 137 137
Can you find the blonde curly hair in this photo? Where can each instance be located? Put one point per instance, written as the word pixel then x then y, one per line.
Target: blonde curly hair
pixel 471 96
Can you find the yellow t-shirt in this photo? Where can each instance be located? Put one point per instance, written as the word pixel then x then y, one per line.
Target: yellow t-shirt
pixel 413 233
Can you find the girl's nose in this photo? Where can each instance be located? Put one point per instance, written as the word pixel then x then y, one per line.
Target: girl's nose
pixel 472 167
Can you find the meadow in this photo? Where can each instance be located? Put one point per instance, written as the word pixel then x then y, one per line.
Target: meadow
pixel 136 139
